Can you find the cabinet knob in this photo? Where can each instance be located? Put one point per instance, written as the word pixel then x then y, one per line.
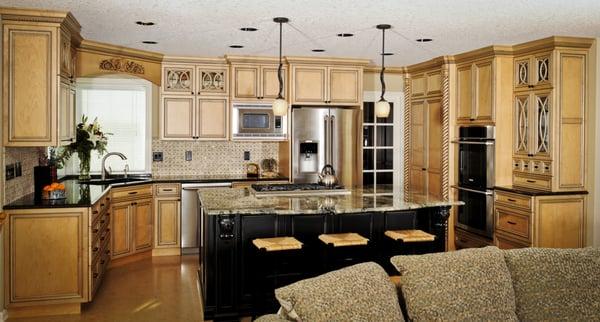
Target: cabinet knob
pixel 95 275
pixel 424 169
pixel 471 119
pixel 192 93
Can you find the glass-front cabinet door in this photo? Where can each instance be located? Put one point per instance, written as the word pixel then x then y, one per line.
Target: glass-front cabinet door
pixel 542 69
pixel 522 124
pixel 178 79
pixel 541 129
pixel 522 71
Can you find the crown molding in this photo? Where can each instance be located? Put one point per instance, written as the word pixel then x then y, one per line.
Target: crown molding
pixel 108 49
pixel 388 70
pixel 489 51
pixel 194 60
pixel 430 64
pixel 327 60
pixel 553 42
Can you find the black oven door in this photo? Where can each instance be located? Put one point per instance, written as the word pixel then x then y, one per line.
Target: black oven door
pixel 476 164
pixel 477 214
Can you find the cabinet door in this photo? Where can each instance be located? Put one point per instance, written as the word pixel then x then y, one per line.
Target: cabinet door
pixel 167 223
pixel 543 69
pixel 560 222
pixel 418 85
pixel 434 148
pixel 245 82
pixel 121 229
pixel 66 113
pixel 270 82
pixel 434 83
pixel 30 100
pixel 65 55
pixel 142 225
pixel 522 124
pixel 212 118
pixel 522 72
pixel 418 153
pixel 309 84
pixel 178 79
pixel 541 136
pixel 465 94
pixel 212 81
pixel 344 85
pixel 484 108
pixel 177 117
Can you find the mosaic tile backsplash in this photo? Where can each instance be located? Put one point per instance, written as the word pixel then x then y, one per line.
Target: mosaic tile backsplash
pixel 209 158
pixel 23 185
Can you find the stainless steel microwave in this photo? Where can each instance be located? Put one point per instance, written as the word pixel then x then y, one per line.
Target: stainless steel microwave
pixel 256 121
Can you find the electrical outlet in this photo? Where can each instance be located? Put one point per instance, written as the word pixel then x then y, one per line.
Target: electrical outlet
pixel 246 155
pixel 10 171
pixel 188 155
pixel 157 156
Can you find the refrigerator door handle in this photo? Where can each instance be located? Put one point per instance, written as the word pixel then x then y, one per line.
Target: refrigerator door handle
pixel 331 139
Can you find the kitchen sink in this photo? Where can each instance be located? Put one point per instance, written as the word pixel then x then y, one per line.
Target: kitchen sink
pixel 114 180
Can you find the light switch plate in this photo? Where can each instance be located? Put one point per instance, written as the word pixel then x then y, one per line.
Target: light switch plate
pixel 188 155
pixel 246 155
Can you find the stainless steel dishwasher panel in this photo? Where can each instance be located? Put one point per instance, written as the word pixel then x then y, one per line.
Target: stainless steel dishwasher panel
pixel 191 217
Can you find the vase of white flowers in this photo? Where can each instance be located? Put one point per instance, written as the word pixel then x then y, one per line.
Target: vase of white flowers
pixel 89 137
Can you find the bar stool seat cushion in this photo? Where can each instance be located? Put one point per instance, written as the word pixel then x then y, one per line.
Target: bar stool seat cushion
pixel 465 285
pixel 277 243
pixel 410 235
pixel 361 292
pixel 344 239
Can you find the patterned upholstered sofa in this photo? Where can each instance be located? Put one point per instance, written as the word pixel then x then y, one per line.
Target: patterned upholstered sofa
pixel 489 284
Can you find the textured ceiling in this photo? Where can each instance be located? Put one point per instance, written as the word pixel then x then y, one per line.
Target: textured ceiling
pixel 208 27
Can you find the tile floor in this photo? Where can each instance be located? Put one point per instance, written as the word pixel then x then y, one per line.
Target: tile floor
pixel 152 289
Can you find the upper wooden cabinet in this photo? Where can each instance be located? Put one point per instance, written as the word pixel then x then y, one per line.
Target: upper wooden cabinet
pixel 191 79
pixel 426 84
pixel 326 83
pixel 38 64
pixel 256 82
pixel 550 115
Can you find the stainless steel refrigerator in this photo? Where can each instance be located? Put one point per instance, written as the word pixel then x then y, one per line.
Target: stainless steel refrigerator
pixel 324 135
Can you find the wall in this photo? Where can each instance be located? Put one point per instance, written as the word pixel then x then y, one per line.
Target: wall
pixel 209 158
pixel 23 185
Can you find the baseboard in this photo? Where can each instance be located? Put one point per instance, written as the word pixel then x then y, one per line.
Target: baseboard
pixel 129 259
pixel 166 252
pixel 3 315
pixel 44 310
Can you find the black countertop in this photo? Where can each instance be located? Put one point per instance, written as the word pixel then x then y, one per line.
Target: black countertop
pixel 80 194
pixel 534 192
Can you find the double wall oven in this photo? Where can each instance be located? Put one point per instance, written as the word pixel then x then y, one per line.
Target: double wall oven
pixel 476 179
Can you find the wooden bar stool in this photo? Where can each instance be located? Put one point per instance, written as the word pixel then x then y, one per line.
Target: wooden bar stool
pixel 343 249
pixel 412 241
pixel 279 262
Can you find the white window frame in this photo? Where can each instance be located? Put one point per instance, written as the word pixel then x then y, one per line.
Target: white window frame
pixel 122 83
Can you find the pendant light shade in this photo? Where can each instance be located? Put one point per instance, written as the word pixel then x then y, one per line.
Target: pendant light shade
pixel 382 107
pixel 280 105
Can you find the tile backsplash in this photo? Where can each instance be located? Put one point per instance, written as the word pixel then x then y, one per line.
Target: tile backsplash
pixel 23 185
pixel 209 157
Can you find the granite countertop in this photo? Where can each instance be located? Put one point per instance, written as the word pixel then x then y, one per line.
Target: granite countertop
pixel 84 195
pixel 534 192
pixel 222 201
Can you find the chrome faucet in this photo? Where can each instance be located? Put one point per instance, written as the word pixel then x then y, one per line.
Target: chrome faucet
pixel 104 171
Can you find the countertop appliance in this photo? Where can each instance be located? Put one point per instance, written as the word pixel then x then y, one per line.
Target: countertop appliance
pixel 256 121
pixel 324 135
pixel 296 190
pixel 191 216
pixel 476 153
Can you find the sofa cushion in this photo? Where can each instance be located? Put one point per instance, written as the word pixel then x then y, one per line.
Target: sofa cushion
pixel 556 284
pixel 470 284
pixel 362 292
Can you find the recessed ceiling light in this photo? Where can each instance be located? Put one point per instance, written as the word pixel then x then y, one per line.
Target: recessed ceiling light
pixel 345 35
pixel 424 39
pixel 144 23
pixel 236 46
pixel 318 50
pixel 149 42
pixel 248 29
pixel 388 54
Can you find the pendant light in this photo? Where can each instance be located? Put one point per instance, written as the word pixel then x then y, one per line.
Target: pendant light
pixel 382 107
pixel 280 105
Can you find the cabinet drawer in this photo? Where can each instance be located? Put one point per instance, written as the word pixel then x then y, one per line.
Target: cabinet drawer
pixel 504 242
pixel 166 189
pixel 513 200
pixel 100 206
pixel 143 191
pixel 541 183
pixel 463 240
pixel 513 222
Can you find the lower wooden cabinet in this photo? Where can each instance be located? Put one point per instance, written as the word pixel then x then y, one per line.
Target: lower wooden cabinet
pixel 167 219
pixel 551 220
pixel 132 227
pixel 464 239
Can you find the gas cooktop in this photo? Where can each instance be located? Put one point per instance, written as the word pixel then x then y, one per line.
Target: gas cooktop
pixel 297 189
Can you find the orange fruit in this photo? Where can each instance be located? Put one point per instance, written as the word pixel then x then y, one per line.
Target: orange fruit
pixel 54 185
pixel 47 188
pixel 61 186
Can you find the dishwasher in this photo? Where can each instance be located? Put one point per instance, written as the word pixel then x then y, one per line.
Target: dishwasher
pixel 192 220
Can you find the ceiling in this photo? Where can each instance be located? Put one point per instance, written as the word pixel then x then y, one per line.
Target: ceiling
pixel 208 27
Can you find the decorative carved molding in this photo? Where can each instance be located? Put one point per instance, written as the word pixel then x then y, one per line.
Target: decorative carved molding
pixel 407 130
pixel 122 65
pixel 445 131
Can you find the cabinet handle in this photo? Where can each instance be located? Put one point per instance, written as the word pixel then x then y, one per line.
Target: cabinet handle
pixel 134 203
pixel 107 214
pixel 95 249
pixel 529 155
pixel 192 93
pixel 95 231
pixel 526 166
pixel 102 238
pixel 95 212
pixel 101 205
pixel 107 251
pixel 424 169
pixel 471 119
pixel 132 192
pixel 167 189
pixel 511 200
pixel 95 275
pixel 531 181
pixel 101 221
pixel 536 167
pixel 102 262
pixel 530 86
pixel 511 222
pixel 67 140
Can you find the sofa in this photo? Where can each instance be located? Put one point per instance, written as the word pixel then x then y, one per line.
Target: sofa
pixel 485 284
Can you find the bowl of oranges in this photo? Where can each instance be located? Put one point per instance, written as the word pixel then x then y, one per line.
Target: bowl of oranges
pixel 54 191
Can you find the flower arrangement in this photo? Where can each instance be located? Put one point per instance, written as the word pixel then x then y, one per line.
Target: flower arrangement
pixel 89 137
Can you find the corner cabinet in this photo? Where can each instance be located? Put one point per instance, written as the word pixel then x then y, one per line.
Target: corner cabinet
pixel 194 102
pixel 39 69
pixel 549 109
pixel 326 85
pixel 132 220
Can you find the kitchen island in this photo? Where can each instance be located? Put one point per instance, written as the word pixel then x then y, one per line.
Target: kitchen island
pixel 232 218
